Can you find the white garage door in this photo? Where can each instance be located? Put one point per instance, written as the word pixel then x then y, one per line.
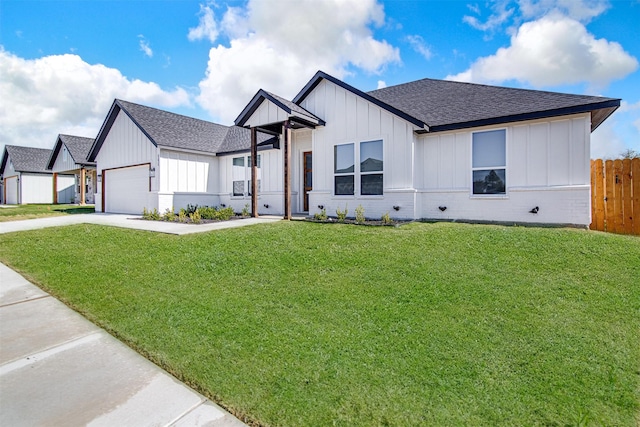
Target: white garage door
pixel 11 187
pixel 127 189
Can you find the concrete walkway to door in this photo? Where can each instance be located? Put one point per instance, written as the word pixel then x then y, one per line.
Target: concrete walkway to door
pixel 57 368
pixel 129 221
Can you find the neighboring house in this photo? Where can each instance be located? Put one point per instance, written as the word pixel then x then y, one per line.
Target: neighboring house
pixel 153 159
pixel 428 149
pixel 25 176
pixel 74 177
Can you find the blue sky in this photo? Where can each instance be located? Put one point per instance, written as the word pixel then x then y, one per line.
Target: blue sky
pixel 63 62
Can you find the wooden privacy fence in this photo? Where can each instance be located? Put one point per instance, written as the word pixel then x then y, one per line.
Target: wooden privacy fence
pixel 615 196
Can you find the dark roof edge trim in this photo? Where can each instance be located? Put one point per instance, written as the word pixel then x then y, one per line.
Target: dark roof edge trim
pixel 527 116
pixel 315 81
pixel 253 105
pixel 54 153
pixel 247 150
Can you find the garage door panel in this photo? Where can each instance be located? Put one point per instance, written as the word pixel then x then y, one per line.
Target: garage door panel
pixel 127 189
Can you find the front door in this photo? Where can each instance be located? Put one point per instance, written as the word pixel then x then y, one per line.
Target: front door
pixel 308 177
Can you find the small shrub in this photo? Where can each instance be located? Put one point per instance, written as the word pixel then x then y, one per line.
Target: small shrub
pixel 154 215
pixel 195 217
pixel 182 215
pixel 386 219
pixel 360 214
pixel 207 212
pixel 321 216
pixel 246 211
pixel 342 214
pixel 145 213
pixel 168 214
pixel 225 214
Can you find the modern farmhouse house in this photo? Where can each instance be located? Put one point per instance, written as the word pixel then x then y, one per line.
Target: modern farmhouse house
pixel 69 158
pixel 427 149
pixel 26 179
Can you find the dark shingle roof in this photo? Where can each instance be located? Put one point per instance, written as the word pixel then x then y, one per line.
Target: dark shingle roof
pixel 78 147
pixel 239 139
pixel 443 104
pixel 27 159
pixel 292 109
pixel 175 130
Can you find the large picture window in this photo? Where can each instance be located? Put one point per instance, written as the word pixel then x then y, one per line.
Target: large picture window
pixel 489 162
pixel 369 174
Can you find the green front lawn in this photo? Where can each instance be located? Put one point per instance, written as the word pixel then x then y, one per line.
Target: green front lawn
pixel 303 324
pixel 19 212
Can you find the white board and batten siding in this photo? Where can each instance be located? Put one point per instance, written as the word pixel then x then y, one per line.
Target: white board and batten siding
pixel 351 119
pixel 187 178
pixel 547 166
pixel 64 162
pixel 267 113
pixel 66 188
pixel 126 146
pixel 11 190
pixel 36 188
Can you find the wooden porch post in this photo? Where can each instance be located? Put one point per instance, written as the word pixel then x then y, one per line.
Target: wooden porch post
pixel 286 133
pixel 83 174
pixel 55 188
pixel 254 173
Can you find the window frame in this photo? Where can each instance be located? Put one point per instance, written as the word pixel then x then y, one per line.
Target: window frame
pixel 245 180
pixel 357 173
pixel 500 195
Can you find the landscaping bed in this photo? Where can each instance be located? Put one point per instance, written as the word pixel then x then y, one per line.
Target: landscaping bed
pixel 20 212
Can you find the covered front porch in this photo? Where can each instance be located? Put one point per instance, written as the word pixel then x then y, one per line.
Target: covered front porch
pixel 273 115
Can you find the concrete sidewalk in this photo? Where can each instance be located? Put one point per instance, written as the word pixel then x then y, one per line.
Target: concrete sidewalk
pixel 57 368
pixel 128 221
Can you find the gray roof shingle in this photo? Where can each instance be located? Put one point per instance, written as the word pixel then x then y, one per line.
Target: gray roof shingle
pixel 78 147
pixel 27 159
pixel 442 103
pixel 175 130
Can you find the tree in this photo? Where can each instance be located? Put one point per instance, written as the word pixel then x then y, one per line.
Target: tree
pixel 629 153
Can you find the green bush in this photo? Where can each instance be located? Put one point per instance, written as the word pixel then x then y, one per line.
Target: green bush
pixel 342 214
pixel 195 217
pixel 386 219
pixel 360 215
pixel 182 215
pixel 168 215
pixel 225 214
pixel 207 212
pixel 191 208
pixel 246 211
pixel 145 213
pixel 322 216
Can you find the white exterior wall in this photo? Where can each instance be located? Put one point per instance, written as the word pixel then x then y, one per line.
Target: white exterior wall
pixel 60 165
pixel 270 174
pixel 36 188
pixel 126 145
pixel 351 119
pixel 547 166
pixel 267 113
pixel 66 188
pixel 187 178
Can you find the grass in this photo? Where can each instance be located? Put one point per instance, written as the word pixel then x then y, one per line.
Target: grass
pixel 19 212
pixel 303 324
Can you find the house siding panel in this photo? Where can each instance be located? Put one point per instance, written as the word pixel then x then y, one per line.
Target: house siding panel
pixel 60 165
pixel 36 188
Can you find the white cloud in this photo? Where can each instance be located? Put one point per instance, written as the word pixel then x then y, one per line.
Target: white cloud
pixel 606 143
pixel 501 12
pixel 63 94
pixel 144 46
pixel 381 84
pixel 418 44
pixel 580 10
pixel 266 52
pixel 207 27
pixel 553 50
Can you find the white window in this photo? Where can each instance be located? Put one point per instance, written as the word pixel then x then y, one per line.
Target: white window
pixel 241 173
pixel 489 162
pixel 369 174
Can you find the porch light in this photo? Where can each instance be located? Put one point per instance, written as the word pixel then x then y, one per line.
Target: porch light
pixel 266 206
pixel 442 208
pixel 320 207
pixel 534 210
pixel 396 208
pixel 152 172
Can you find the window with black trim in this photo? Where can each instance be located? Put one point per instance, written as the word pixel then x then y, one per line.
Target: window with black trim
pixel 241 174
pixel 489 162
pixel 371 166
pixel 344 169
